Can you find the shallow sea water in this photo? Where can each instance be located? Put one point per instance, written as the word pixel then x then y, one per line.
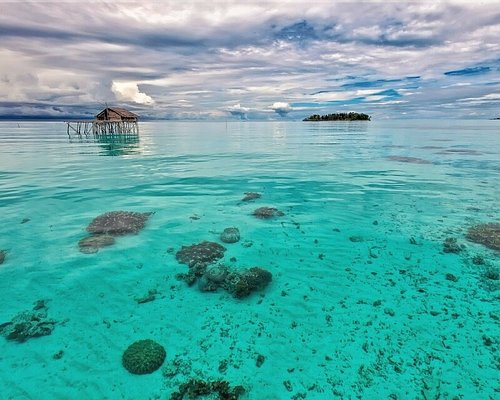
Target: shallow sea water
pixel 362 304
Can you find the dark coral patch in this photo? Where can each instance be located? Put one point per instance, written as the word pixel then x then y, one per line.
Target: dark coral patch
pixel 197 257
pixel 486 234
pixel 251 196
pixel 143 357
pixel 202 253
pixel 267 212
pixel 257 277
pixel 118 223
pixel 3 255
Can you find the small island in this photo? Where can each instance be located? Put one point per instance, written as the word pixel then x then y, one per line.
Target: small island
pixel 352 116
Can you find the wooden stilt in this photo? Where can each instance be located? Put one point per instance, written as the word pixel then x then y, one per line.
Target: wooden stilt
pixel 97 128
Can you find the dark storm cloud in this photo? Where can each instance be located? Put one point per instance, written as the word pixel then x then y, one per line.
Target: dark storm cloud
pixel 297 32
pixel 147 39
pixel 370 84
pixel 27 32
pixel 469 71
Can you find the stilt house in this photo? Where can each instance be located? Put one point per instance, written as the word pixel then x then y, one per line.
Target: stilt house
pixel 110 121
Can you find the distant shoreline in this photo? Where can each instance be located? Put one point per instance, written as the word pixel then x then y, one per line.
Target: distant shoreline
pixel 352 116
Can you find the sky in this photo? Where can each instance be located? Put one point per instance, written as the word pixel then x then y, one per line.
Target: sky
pixel 250 60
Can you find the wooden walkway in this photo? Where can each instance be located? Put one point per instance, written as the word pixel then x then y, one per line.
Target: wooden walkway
pixel 98 128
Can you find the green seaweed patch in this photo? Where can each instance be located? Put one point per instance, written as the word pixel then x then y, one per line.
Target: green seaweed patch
pixel 195 388
pixel 177 366
pixel 29 324
pixel 487 234
pixel 143 357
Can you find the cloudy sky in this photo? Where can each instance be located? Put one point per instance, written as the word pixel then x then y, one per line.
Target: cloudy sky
pixel 251 60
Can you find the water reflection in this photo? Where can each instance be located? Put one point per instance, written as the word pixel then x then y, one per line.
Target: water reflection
pixel 112 145
pixel 339 126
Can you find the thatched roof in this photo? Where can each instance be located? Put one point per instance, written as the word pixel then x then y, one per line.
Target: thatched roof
pixel 123 112
pixel 120 111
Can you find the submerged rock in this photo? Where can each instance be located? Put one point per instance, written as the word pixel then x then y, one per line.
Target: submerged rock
pixel 217 274
pixel 487 234
pixel 490 278
pixel 92 244
pixel 412 160
pixel 478 260
pixel 197 257
pixel 230 235
pixel 267 212
pixel 492 273
pixel 29 324
pixel 189 277
pixel 241 284
pixel 150 296
pixel 450 245
pixel 451 277
pixel 247 243
pixel 251 196
pixel 143 357
pixel 213 278
pixel 118 223
pixel 3 255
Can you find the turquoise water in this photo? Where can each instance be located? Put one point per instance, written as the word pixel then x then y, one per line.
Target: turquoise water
pixel 360 306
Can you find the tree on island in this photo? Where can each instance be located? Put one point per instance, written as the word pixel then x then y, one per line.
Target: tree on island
pixel 352 116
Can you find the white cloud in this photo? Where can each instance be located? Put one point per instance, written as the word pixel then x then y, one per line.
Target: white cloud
pixel 342 95
pixel 238 111
pixel 129 91
pixel 282 109
pixel 238 108
pixel 482 99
